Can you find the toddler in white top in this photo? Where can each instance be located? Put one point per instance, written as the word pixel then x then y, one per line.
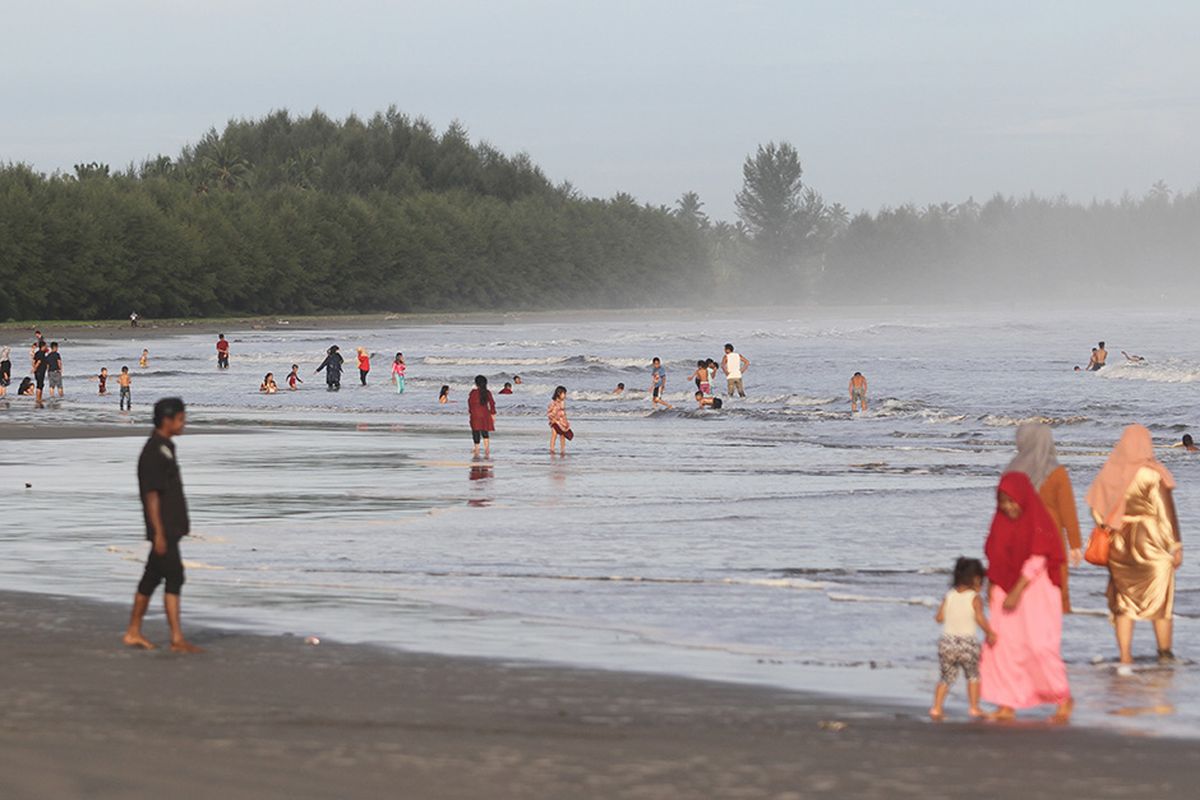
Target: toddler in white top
pixel 962 617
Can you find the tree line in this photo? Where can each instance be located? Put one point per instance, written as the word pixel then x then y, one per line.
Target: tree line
pixel 295 215
pixel 303 214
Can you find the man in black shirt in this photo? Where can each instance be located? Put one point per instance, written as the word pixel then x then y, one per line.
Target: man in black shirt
pixel 54 369
pixel 40 366
pixel 165 510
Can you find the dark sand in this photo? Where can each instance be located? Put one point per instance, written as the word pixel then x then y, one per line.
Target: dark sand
pixel 266 717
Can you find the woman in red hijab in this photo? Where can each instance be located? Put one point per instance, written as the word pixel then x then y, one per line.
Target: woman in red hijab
pixel 1024 668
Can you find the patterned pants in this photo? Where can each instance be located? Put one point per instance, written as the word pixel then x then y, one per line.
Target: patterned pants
pixel 955 653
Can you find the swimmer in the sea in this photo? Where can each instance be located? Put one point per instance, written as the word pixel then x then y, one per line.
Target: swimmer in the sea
pixel 1099 358
pixel 620 389
pixel 708 402
pixel 1133 359
pixel 1188 443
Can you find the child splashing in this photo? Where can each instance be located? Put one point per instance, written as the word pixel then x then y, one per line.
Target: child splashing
pixel 961 615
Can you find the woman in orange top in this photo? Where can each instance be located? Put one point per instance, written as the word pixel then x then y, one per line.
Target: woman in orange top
pixel 1038 458
pixel 364 365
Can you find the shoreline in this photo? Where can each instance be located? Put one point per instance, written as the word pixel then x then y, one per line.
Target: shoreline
pixel 268 716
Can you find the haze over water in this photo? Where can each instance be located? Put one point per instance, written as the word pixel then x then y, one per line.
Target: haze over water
pixel 778 541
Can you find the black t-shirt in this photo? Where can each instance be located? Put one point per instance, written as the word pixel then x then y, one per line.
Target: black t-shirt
pixel 158 471
pixel 53 361
pixel 39 363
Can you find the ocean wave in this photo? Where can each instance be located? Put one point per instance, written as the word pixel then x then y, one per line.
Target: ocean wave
pixel 1170 370
pixel 1002 421
pixel 863 598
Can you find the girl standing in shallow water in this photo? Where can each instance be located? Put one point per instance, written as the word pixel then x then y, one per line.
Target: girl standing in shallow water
pixel 961 615
pixel 398 370
pixel 1024 668
pixel 560 428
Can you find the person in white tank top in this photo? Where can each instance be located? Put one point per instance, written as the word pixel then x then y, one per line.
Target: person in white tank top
pixel 961 615
pixel 733 365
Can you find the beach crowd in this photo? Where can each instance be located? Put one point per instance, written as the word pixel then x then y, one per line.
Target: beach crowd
pixel 1016 600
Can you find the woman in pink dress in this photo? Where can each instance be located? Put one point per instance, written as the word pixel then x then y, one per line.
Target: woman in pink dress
pixel 1024 668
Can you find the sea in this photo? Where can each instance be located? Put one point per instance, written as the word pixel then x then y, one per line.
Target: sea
pixel 781 540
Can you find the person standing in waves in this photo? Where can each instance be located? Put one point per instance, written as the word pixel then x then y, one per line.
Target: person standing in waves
pixel 1037 457
pixel 1024 668
pixel 165 510
pixel 1132 499
pixel 482 408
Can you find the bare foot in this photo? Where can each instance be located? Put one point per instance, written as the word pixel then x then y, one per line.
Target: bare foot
pixel 976 713
pixel 1062 714
pixel 184 646
pixel 137 640
pixel 1002 714
pixel 936 714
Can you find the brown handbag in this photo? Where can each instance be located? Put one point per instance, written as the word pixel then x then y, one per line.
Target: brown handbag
pixel 1097 549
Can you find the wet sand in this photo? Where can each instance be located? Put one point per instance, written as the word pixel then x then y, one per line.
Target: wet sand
pixel 268 716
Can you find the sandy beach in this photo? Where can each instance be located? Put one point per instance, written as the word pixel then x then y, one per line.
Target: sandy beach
pixel 268 716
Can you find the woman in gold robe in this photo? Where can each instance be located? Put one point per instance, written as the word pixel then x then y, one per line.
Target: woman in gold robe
pixel 1132 499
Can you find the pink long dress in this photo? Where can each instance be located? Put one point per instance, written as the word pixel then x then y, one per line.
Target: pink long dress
pixel 1025 667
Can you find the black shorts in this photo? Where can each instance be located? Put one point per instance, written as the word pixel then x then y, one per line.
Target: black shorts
pixel 657 392
pixel 477 435
pixel 39 379
pixel 167 567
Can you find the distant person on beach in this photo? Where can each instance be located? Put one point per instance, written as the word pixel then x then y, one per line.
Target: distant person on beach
pixel 222 352
pixel 364 365
pixel 54 370
pixel 961 616
pixel 144 361
pixel 516 380
pixel 444 395
pixel 733 365
pixel 507 389
pixel 658 384
pixel 268 384
pixel 620 389
pixel 700 376
pixel 293 377
pixel 102 380
pixel 165 510
pixel 332 366
pixel 481 407
pixel 858 392
pixel 560 427
pixel 5 370
pixel 703 401
pixel 133 320
pixel 1134 359
pixel 399 368
pixel 1024 667
pixel 1132 501
pixel 40 366
pixel 1037 458
pixel 26 387
pixel 125 382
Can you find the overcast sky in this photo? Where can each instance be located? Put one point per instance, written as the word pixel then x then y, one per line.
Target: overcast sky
pixel 887 102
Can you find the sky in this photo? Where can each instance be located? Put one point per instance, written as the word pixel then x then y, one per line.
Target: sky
pixel 887 102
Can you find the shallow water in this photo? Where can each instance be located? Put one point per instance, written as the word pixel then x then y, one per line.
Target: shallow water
pixel 780 540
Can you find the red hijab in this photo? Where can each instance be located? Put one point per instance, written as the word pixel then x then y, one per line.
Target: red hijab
pixel 1012 541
